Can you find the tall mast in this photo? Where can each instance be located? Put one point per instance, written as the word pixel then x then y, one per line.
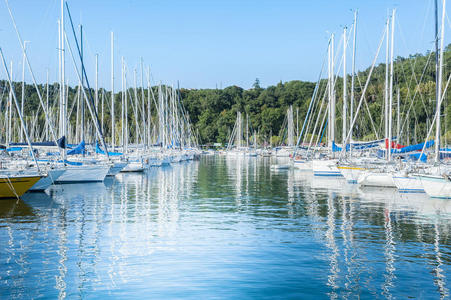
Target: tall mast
pixel 23 85
pixel 142 105
pixel 391 85
pixel 345 100
pixel 122 104
pixel 351 115
pixel 96 93
pixel 439 79
pixel 398 118
pixel 331 93
pixel 149 117
pixel 82 103
pixel 126 110
pixel 47 105
pixel 63 71
pixel 10 107
pixel 387 31
pixel 112 92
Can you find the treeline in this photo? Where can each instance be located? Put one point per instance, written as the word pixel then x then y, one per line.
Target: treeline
pixel 212 112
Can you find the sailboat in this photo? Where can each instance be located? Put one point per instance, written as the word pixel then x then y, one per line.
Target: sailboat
pixel 437 184
pixel 13 185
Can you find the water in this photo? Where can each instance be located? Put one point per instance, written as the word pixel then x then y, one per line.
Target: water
pixel 224 228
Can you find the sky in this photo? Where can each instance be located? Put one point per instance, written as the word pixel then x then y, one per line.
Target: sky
pixel 210 43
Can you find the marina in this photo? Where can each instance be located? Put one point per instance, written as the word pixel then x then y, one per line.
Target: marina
pixel 119 181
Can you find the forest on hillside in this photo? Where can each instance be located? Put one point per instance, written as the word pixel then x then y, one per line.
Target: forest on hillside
pixel 212 112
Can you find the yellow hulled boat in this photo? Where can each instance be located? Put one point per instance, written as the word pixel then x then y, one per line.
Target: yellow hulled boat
pixel 12 186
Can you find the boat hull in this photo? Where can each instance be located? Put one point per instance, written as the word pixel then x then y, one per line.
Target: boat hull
pixel 301 164
pixel 116 168
pixel 436 186
pixel 325 168
pixel 16 186
pixel 78 174
pixel 47 181
pixel 376 180
pixel 133 167
pixel 408 184
pixel 351 173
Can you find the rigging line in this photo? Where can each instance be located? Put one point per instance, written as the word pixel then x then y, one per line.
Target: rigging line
pixel 315 110
pixel 435 117
pixel 417 83
pixel 310 106
pixel 363 93
pixel 323 101
pixel 367 108
pixel 416 91
pixel 410 62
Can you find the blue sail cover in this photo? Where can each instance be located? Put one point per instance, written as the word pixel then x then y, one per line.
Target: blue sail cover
pixel 411 148
pixel 100 151
pixel 80 149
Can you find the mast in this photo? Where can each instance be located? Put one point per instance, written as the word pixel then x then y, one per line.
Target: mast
pixel 82 103
pixel 112 92
pixel 149 117
pixel 247 130
pixel 47 106
pixel 439 78
pixel 398 121
pixel 345 100
pixel 23 85
pixel 122 105
pixel 391 84
pixel 387 24
pixel 142 105
pixel 297 120
pixel 136 110
pixel 331 121
pixel 351 115
pixel 96 93
pixel 62 83
pixel 10 106
pixel 126 110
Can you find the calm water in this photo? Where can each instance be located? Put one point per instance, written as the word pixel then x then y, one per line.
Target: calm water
pixel 224 228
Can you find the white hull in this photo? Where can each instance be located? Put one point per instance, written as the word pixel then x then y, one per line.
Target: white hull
pixel 436 186
pixel 408 184
pixel 133 167
pixel 325 168
pixel 376 179
pixel 350 173
pixel 77 174
pixel 302 164
pixel 47 181
pixel 116 168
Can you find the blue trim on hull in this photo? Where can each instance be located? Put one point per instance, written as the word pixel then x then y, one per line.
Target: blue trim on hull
pixel 328 175
pixel 405 191
pixel 75 181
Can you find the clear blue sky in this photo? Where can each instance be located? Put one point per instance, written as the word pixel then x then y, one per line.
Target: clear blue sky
pixel 212 42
